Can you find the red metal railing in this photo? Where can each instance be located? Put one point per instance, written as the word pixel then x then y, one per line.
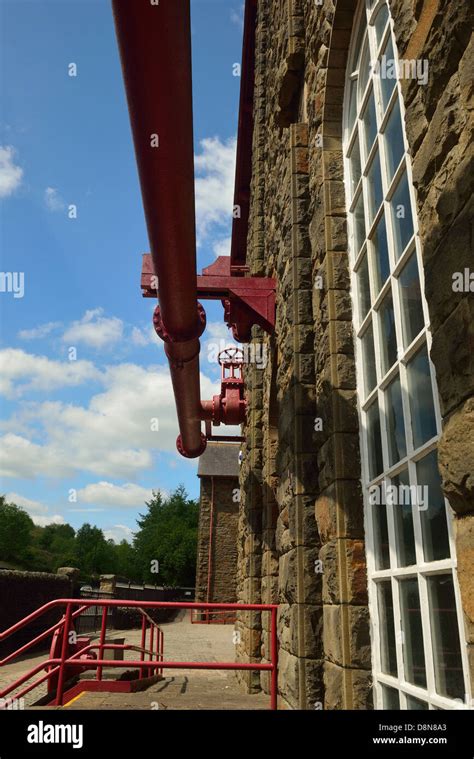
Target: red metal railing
pixel 66 664
pixel 212 617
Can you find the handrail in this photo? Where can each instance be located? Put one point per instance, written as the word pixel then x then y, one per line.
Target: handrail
pixel 59 665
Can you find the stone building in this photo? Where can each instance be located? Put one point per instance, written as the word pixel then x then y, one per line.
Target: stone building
pixel 357 492
pixel 216 566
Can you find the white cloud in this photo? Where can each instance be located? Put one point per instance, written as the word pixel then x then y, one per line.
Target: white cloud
pixel 108 494
pixel 37 333
pixel 21 372
pixel 44 521
pixel 113 436
pixel 237 16
pixel 37 511
pixel 10 174
pixel 215 178
pixel 222 247
pixel 53 200
pixel 94 330
pixel 118 533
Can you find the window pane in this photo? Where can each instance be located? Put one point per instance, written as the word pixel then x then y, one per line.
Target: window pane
pixel 413 653
pixel 368 360
pixel 403 518
pixel 415 704
pixel 364 71
pixel 381 544
pixel 359 224
pixel 423 420
pixel 401 216
pixel 352 103
pixel 394 422
pixel 391 697
pixel 387 74
pixel 374 187
pixel 363 287
pixel 355 166
pixel 446 647
pixel 434 524
pixel 410 301
pixel 374 441
pixel 388 654
pixel 382 265
pixel 388 337
pixel 370 123
pixel 393 139
pixel 380 23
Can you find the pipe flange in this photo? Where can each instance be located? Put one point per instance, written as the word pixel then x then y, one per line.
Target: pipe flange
pixel 196 332
pixel 183 452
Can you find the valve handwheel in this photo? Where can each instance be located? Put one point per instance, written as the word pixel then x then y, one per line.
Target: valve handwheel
pixel 231 355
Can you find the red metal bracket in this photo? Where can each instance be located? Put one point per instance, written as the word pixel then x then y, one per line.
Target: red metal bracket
pixel 246 300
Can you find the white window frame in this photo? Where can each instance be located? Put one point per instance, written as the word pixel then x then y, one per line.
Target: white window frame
pixel 421 569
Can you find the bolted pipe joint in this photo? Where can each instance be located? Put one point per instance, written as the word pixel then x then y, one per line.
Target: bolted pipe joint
pixel 179 337
pixel 191 454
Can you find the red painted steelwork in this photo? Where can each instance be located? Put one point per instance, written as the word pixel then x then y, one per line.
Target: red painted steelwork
pixel 246 300
pixel 155 50
pixel 65 663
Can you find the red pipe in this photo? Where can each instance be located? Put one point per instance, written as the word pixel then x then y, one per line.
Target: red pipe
pixel 209 555
pixel 155 49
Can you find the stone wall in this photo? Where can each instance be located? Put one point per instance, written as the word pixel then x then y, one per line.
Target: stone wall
pixel 301 502
pixel 224 540
pixel 21 593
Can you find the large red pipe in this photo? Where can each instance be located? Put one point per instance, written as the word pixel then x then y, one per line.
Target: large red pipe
pixel 155 49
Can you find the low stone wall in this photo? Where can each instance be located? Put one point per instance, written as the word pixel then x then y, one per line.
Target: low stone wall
pixel 21 593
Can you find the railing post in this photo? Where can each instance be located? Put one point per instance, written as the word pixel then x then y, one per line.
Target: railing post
pixel 152 638
pixel 142 646
pixel 103 630
pixel 274 657
pixel 64 651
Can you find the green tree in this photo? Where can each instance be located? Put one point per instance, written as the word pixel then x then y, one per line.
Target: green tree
pixel 15 531
pixel 167 538
pixel 93 554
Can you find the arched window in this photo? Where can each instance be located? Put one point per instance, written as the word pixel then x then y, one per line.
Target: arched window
pixel 419 651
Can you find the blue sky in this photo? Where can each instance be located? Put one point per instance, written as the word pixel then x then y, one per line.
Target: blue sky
pixel 77 439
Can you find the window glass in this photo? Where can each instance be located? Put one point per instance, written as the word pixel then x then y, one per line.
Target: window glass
pixel 374 441
pixel 394 422
pixel 393 141
pixel 403 520
pixel 364 71
pixel 391 698
pixel 380 23
pixel 415 704
pixel 387 334
pixel 382 264
pixel 368 360
pixel 370 124
pixel 352 103
pixel 363 287
pixel 402 219
pixel 374 187
pixel 434 524
pixel 410 301
pixel 423 420
pixel 387 73
pixel 382 547
pixel 413 652
pixel 359 225
pixel 356 170
pixel 446 647
pixel 388 653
